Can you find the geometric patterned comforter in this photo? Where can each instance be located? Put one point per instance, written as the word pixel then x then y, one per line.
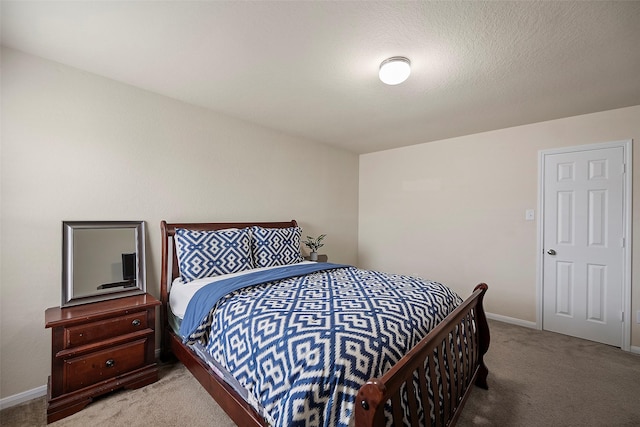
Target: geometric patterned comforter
pixel 303 346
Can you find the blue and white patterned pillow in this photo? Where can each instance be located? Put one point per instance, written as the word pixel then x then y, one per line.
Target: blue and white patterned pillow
pixel 275 246
pixel 212 253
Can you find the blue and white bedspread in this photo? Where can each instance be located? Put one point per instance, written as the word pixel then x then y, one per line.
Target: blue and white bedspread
pixel 304 345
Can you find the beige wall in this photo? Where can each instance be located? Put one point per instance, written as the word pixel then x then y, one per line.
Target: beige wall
pixel 73 141
pixel 453 210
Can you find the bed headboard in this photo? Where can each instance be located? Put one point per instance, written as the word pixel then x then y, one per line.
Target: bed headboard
pixel 169 230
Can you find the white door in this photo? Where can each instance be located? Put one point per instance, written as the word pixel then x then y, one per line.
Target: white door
pixel 583 243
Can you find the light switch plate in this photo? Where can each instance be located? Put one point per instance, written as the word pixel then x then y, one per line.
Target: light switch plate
pixel 529 215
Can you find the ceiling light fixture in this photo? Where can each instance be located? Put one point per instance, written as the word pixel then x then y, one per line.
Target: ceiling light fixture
pixel 395 70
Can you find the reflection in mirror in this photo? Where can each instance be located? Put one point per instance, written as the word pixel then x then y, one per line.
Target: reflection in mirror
pixel 102 260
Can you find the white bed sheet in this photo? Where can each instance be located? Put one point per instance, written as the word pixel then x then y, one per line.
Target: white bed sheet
pixel 181 293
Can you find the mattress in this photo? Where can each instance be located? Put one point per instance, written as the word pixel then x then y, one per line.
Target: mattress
pixel 181 293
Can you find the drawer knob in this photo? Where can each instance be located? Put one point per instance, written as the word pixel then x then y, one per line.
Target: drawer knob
pixel 136 322
pixel 110 363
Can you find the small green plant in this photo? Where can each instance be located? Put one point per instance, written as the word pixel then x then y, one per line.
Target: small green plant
pixel 314 243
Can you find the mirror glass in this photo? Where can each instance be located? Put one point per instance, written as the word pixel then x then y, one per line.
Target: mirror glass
pixel 102 260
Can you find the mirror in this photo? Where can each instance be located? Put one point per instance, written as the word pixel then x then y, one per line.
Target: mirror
pixel 102 260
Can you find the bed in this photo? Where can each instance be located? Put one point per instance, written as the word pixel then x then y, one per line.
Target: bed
pixel 426 382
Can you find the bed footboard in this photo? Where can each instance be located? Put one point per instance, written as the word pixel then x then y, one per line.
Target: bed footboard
pixel 445 363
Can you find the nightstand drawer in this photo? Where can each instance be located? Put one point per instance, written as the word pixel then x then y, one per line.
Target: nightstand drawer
pixel 96 331
pixel 97 348
pixel 89 369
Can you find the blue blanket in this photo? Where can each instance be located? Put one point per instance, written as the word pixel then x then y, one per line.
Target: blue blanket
pixel 302 346
pixel 208 296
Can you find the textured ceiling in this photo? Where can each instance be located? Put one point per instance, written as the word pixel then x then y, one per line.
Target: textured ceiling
pixel 309 69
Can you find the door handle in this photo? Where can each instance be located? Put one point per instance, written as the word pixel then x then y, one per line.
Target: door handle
pixel 551 252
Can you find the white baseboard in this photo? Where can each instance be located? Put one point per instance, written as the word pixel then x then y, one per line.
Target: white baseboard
pixel 512 320
pixel 532 325
pixel 25 396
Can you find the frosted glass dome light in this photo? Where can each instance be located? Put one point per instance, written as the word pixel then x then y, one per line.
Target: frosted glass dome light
pixel 395 70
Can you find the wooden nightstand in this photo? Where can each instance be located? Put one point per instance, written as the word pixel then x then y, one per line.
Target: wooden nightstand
pixel 97 348
pixel 321 258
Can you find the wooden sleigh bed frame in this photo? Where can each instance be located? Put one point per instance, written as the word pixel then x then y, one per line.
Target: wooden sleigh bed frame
pixel 453 351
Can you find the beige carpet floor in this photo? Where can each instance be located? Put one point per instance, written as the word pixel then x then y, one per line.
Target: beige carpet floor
pixel 536 378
